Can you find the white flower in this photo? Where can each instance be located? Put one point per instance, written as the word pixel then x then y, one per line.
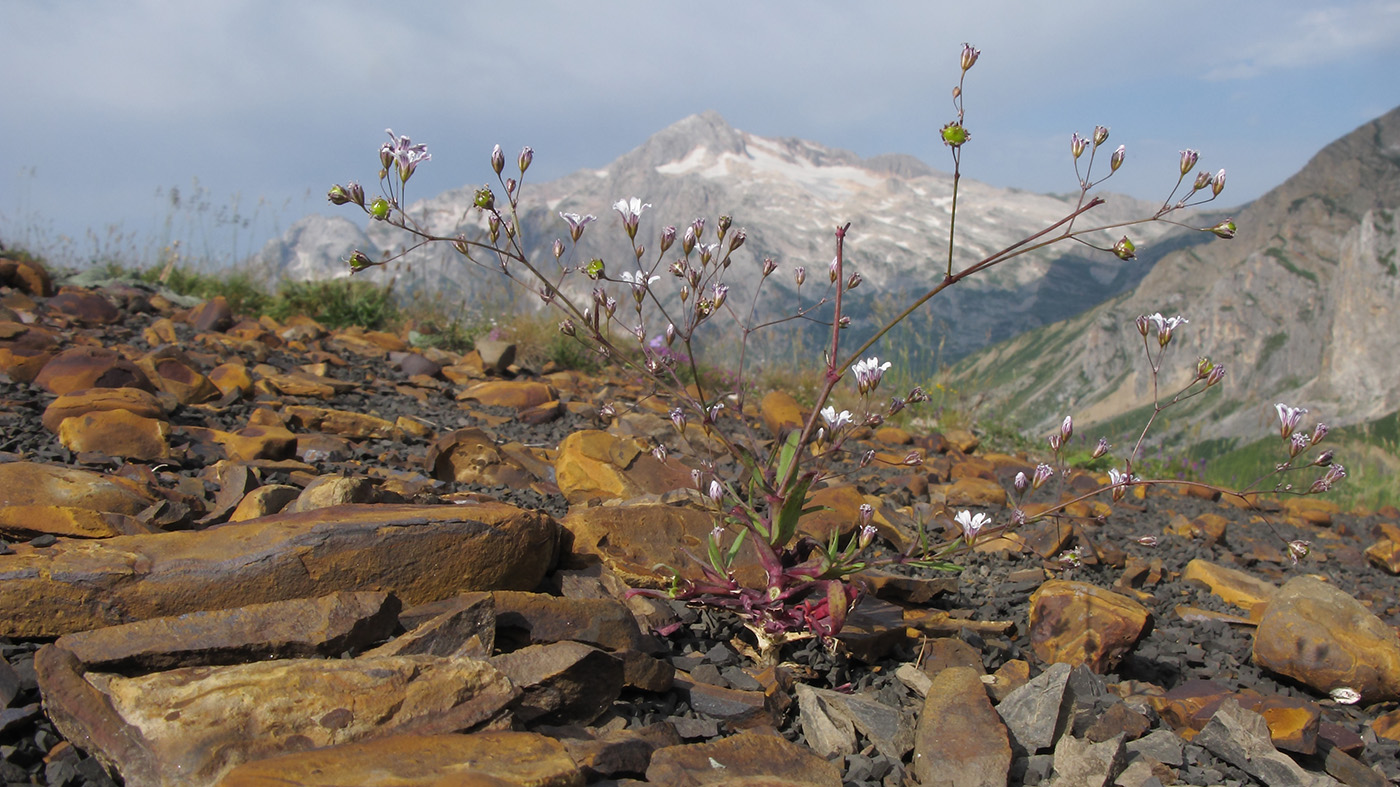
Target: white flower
pixel 971 524
pixel 639 279
pixel 835 420
pixel 868 373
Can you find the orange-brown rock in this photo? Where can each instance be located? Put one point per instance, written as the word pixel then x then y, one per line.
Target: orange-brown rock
pixel 471 456
pixel 81 368
pixel 1385 555
pixel 133 400
pixel 297 628
pixel 517 394
pixel 257 442
pixel 781 412
pixel 1232 585
pixel 841 512
pixel 24 350
pixel 746 758
pixel 356 426
pixel 486 759
pixel 973 491
pixel 420 553
pixel 26 276
pixel 212 315
pixel 962 440
pixel 172 371
pixel 188 727
pixel 960 742
pixel 1318 635
pixel 231 376
pixel 592 463
pixel 28 521
pixel 264 501
pixel 32 483
pixel 1311 510
pixel 1078 623
pixel 120 433
pixel 85 306
pixel 642 543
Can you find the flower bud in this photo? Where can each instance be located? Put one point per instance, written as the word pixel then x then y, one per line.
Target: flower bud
pixel 1203 180
pixel 1323 459
pixel 1066 429
pixel 1043 472
pixel 379 209
pixel 607 410
pixel 527 155
pixel 1299 549
pixel 723 225
pixel 867 533
pixel 913 459
pixel 567 327
pixel 668 237
pixel 1216 375
pixel 769 266
pixel 1147 541
pixel 844 322
pixel 1124 249
pixel 386 157
pixel 721 292
pixel 1021 482
pixel 337 195
pixel 716 491
pixel 1142 324
pixel 659 452
pixel 853 281
pixel 688 240
pixel 1101 448
pixel 359 261
pixel 558 248
pixel 737 239
pixel 678 419
pixel 801 275
pixel 498 160
pixel 969 56
pixel 1217 183
pixel 484 199
pixel 1100 135
pixel 1116 160
pixel 831 269
pixel 1188 161
pixel 1225 229
pixel 1319 432
pixel 867 457
pixel 699 226
pixel 510 186
pixel 867 514
pixel 356 193
pixel 1077 144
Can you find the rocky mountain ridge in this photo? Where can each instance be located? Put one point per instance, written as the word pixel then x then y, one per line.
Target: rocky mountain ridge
pixel 1299 306
pixel 788 194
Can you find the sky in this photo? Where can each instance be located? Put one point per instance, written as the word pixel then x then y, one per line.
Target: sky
pixel 219 123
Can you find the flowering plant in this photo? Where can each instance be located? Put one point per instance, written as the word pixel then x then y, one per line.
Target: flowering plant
pixel 810 584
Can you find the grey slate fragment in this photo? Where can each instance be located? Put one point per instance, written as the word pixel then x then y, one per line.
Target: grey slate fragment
pixel 1036 712
pixel 1164 746
pixel 1079 763
pixel 1241 738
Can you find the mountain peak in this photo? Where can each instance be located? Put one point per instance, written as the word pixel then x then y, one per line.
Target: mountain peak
pixel 708 130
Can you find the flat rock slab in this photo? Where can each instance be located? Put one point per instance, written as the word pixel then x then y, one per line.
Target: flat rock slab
pixel 419 553
pixel 188 727
pixel 298 628
pixel 481 760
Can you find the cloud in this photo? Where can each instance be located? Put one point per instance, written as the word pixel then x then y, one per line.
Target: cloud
pixel 1313 38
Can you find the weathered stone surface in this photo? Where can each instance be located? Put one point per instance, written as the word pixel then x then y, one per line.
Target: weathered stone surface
pixel 960 741
pixel 82 368
pixel 1241 738
pixel 1036 713
pixel 264 501
pixel 26 276
pixel 471 456
pixel 562 682
pixel 1079 763
pixel 85 306
pixel 633 540
pixel 616 752
pixel 231 377
pixel 420 553
pixel 518 394
pixel 212 315
pixel 1385 555
pixel 979 492
pixel 133 400
pixel 332 490
pixel 781 412
pixel 496 355
pixel 298 628
pixel 33 483
pixel 483 759
pixel 116 433
pixel 465 627
pixel 535 618
pixel 190 726
pixel 31 521
pixel 1317 634
pixel 24 350
pixel 171 371
pixel 1079 623
pixel 356 426
pixel 593 464
pixel 747 758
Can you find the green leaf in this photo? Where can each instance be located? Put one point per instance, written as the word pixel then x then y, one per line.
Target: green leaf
pixel 785 525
